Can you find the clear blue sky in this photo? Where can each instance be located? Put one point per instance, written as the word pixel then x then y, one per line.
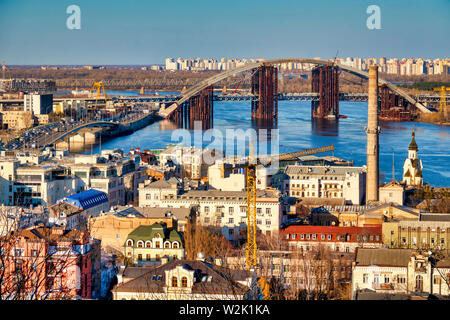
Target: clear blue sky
pixel 146 32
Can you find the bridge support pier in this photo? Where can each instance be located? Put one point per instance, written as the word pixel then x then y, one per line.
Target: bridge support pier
pixel 265 87
pixel 325 82
pixel 197 108
pixel 393 107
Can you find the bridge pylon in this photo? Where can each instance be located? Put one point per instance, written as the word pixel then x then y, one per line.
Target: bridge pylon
pixel 325 82
pixel 197 108
pixel 265 88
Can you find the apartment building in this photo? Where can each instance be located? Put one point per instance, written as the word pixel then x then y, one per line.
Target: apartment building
pixel 235 180
pixel 113 227
pixel 338 239
pixel 419 234
pixel 399 271
pixel 38 104
pixel 189 161
pixel 224 209
pixel 360 216
pixel 182 280
pixel 147 244
pixel 113 174
pixel 326 182
pixel 16 119
pixel 52 263
pixel 42 184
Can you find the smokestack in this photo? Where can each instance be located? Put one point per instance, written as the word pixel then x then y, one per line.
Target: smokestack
pixel 372 137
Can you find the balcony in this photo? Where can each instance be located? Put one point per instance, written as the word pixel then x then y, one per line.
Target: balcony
pixel 382 286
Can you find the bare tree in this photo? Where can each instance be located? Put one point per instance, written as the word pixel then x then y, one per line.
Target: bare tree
pixel 36 267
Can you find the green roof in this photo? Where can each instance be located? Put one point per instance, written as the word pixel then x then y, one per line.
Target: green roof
pixel 174 236
pixel 145 233
pixel 413 144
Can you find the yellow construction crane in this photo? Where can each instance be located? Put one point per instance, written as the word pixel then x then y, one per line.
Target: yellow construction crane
pixel 250 172
pixel 98 87
pixel 443 103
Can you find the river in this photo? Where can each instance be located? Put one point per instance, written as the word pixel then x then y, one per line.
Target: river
pixel 297 132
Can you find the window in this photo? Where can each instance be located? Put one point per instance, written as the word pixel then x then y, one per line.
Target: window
pixel 148 244
pixel 148 196
pixel 206 209
pixel 436 280
pixel 347 249
pixel 206 220
pixel 376 278
pixel 34 253
pixel 157 244
pixel 419 283
pixel 308 237
pixel 130 243
pixel 174 282
pixel 401 279
pixel 302 236
pixel 140 244
pixel 322 237
pixel 230 210
pixel 258 210
pixel 294 236
pixel 365 278
pixel 230 220
pixel 147 257
pixel 386 278
pixel 175 245
pixel 157 257
pixel 139 257
pixel 184 282
pixel 329 237
pixel 258 222
pixel 314 236
pixel 268 211
pixel 268 222
pixel 167 245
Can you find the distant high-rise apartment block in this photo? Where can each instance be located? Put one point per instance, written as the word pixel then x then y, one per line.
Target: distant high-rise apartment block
pixel 404 66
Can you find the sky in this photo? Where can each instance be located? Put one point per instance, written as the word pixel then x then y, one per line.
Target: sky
pixel 139 32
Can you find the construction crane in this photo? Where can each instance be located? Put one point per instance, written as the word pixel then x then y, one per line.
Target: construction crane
pixel 443 102
pixel 250 164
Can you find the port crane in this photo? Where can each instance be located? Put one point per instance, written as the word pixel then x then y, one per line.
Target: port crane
pixel 98 87
pixel 249 165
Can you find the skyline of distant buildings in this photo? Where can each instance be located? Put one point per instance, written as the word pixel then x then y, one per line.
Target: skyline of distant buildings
pixel 397 66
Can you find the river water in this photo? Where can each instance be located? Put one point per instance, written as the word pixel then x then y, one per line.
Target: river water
pixel 297 131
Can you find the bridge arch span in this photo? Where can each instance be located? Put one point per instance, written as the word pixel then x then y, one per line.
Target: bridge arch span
pixel 194 90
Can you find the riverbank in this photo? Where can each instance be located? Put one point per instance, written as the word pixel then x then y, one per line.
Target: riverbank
pixel 434 118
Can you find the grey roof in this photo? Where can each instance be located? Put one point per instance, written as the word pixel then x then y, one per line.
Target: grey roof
pixel 387 205
pixel 383 257
pixel 163 184
pixel 434 217
pixel 147 212
pixel 220 279
pixel 322 170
